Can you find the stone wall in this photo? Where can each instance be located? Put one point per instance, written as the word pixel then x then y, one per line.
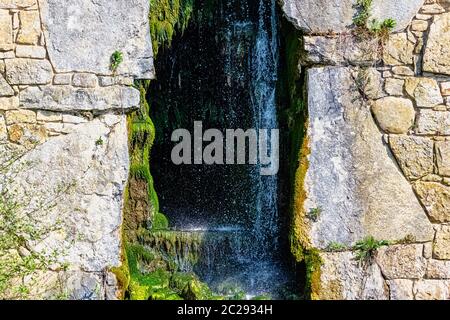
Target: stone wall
pixel 63 115
pixel 379 141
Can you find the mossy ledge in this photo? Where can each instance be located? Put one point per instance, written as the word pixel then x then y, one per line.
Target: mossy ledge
pixel 166 18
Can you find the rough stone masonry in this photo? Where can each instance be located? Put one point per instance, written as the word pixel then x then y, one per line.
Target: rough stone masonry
pixel 63 113
pixel 379 135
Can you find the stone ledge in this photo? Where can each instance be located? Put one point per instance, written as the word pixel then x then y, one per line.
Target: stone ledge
pixel 68 98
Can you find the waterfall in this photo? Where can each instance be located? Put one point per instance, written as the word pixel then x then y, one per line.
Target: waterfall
pixel 265 71
pixel 232 211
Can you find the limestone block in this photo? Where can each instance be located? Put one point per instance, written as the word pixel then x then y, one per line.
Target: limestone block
pixel 394 115
pixel 414 155
pixel 432 290
pixel 437 51
pixel 402 261
pixel 398 50
pixel 441 248
pixel 28 71
pixel 6 34
pixel 443 158
pixel 433 122
pixel 30 27
pixel 352 176
pixel 86 33
pixel 67 98
pixel 436 199
pixel 342 278
pixel 425 91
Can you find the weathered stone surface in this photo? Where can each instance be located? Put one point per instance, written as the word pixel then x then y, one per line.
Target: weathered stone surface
pixel 441 248
pixel 401 289
pixel 402 71
pixel 428 250
pixel 436 199
pixel 62 79
pixel 394 115
pixel 433 122
pixel 402 261
pixel 19 116
pixel 69 118
pixel 320 16
pixel 6 35
pixel 437 51
pixel 343 279
pixel 445 88
pixel 26 51
pixel 437 269
pixel 419 25
pixel 16 4
pixel 341 50
pixel 92 178
pixel 84 80
pixel 27 135
pixel 414 155
pixel 106 81
pixel 351 175
pixel 432 290
pixel 373 87
pixel 9 103
pixel 394 87
pixel 125 24
pixel 3 132
pixel 28 71
pixel 67 98
pixel 48 116
pixel 30 27
pixel 443 158
pixel 5 88
pixel 425 91
pixel 398 50
pixel 433 8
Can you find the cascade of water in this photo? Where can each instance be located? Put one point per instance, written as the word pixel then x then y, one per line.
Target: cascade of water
pixel 237 217
pixel 265 71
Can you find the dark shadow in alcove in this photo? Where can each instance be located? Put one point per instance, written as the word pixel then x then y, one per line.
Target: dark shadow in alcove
pixel 206 76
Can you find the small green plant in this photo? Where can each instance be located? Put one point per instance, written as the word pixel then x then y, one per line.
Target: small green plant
pixel 335 247
pixel 116 60
pixel 314 214
pixel 363 15
pixel 99 142
pixel 374 28
pixel 365 249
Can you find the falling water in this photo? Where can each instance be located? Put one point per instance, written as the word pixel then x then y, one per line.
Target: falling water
pixel 232 211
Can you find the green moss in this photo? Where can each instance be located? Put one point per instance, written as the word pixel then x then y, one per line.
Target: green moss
pixel 313 263
pixel 166 18
pixel 297 117
pixel 366 28
pixel 160 222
